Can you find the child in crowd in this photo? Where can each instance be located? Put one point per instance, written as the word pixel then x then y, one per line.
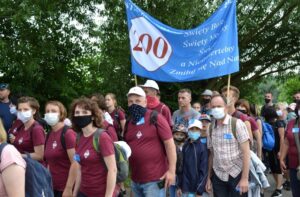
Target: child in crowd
pixel 197 106
pixel 180 136
pixel 192 179
pixel 205 120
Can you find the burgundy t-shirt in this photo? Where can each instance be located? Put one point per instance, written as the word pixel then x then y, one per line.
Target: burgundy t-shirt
pixel 57 157
pixel 26 140
pixel 148 160
pixel 165 111
pixel 110 129
pixel 244 117
pixel 292 153
pixel 93 170
pixel 121 116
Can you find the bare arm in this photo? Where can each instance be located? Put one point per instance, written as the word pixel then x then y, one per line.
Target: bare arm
pixel 111 165
pixel 248 125
pixel 281 138
pixel 13 178
pixel 283 152
pixel 210 164
pixel 73 173
pixel 38 153
pixel 171 155
pixel 78 179
pixel 123 122
pixel 243 184
pixel 258 138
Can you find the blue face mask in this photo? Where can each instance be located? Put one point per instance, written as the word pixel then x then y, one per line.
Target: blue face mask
pixel 194 135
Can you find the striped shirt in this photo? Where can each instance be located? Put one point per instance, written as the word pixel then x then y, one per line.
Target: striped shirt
pixel 228 157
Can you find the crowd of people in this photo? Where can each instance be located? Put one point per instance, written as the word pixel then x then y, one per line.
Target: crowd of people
pixel 214 146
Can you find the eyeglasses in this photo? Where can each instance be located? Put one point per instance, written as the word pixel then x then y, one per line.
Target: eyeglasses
pixel 3 85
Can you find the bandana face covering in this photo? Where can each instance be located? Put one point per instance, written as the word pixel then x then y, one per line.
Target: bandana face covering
pixel 152 102
pixel 137 112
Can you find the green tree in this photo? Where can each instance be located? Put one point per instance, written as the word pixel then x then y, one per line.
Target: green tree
pixel 289 88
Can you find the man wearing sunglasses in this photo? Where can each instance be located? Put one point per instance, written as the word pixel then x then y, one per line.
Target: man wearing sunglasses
pixel 7 109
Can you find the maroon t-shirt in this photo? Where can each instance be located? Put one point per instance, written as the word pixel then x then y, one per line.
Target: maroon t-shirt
pixel 119 117
pixel 57 157
pixel 165 111
pixel 148 160
pixel 292 153
pixel 26 140
pixel 110 129
pixel 244 117
pixel 93 170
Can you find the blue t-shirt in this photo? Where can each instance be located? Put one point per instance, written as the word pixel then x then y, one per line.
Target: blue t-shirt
pixel 5 115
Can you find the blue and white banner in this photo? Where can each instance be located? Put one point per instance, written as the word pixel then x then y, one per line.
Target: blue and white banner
pixel 163 53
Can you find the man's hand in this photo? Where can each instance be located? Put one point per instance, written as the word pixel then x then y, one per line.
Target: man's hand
pixel 179 192
pixel 243 186
pixel 282 166
pixel 67 192
pixel 169 178
pixel 208 186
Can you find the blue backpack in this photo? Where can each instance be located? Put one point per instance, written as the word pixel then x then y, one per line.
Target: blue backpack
pixel 268 137
pixel 38 181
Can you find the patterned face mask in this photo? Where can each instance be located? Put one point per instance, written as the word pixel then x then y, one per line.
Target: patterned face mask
pixel 137 112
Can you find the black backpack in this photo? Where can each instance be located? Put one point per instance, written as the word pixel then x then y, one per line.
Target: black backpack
pixel 38 181
pixel 116 119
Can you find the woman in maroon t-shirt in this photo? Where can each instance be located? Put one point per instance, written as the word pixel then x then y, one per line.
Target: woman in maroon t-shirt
pixel 26 134
pixel 116 113
pixel 59 147
pixel 97 171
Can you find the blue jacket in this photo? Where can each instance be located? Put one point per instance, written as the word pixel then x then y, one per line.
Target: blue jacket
pixel 195 167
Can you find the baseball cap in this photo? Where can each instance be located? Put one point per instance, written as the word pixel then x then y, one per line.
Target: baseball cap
pixel 205 117
pixel 4 86
pixel 207 93
pixel 180 128
pixel 292 106
pixel 195 123
pixel 150 84
pixel 137 90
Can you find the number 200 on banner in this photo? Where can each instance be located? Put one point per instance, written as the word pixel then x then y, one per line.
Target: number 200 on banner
pixel 149 47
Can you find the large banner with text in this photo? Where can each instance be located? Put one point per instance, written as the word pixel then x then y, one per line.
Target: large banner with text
pixel 163 53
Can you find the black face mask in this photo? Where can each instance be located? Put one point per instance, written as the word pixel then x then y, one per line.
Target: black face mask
pixel 297 101
pixel 267 101
pixel 137 112
pixel 243 111
pixel 82 121
pixel 205 101
pixel 179 140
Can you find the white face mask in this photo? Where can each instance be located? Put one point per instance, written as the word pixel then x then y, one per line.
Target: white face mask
pixel 279 113
pixel 24 116
pixel 218 112
pixel 51 118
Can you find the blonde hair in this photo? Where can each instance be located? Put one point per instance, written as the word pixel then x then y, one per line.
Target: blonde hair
pixel 3 135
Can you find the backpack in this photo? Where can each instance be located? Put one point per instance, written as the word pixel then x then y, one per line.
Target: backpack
pixel 116 119
pixel 120 155
pixel 268 137
pixel 38 181
pixel 62 137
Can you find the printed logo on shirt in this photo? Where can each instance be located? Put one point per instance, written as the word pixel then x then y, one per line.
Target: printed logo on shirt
pixel 139 135
pixel 54 145
pixel 20 140
pixel 86 154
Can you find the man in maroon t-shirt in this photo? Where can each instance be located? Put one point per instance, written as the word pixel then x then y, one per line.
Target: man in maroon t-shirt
pixel 152 91
pixel 153 158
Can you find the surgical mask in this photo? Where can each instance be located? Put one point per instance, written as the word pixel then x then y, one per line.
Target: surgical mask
pixel 13 110
pixel 279 113
pixel 218 112
pixel 24 116
pixel 51 118
pixel 137 112
pixel 194 135
pixel 82 121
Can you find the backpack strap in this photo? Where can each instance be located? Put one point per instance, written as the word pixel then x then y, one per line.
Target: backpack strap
pixel 232 120
pixel 153 118
pixel 63 138
pixel 96 138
